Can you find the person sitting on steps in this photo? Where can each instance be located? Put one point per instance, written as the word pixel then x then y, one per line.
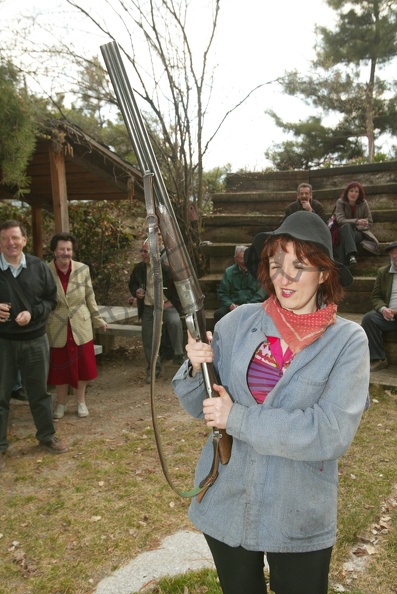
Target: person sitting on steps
pixel 354 218
pixel 238 286
pixel 382 317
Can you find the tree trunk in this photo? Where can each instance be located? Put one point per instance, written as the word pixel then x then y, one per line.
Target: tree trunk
pixel 370 113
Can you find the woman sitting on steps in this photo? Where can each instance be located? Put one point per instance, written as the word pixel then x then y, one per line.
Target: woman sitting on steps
pixel 354 218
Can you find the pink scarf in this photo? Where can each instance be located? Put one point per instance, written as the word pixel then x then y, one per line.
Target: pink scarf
pixel 299 330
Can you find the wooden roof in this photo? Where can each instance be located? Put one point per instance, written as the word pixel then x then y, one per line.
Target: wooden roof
pixel 69 165
pixel 92 171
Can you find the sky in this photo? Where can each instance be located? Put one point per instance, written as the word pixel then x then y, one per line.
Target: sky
pixel 262 39
pixel 256 42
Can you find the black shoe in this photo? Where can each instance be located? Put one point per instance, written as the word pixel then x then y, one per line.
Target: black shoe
pixel 19 395
pixel 178 359
pixel 352 261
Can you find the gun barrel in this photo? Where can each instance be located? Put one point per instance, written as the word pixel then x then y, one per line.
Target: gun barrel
pixel 186 282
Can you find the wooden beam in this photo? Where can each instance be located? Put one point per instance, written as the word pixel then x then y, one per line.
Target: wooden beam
pixel 59 190
pixel 37 231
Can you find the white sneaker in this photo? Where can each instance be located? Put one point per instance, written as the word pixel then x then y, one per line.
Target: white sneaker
pixel 82 410
pixel 59 411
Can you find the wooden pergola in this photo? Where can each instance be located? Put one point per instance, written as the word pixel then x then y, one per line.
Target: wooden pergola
pixel 70 165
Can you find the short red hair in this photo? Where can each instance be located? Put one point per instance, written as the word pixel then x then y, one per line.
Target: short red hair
pixel 330 291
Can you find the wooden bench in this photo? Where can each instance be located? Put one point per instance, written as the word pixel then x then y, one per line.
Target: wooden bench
pixel 107 339
pixel 121 321
pixel 121 330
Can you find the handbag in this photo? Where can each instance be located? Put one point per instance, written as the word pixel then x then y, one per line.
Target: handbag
pixel 334 230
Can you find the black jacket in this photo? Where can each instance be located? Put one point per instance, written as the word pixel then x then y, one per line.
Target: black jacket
pixel 138 280
pixel 296 206
pixel 38 286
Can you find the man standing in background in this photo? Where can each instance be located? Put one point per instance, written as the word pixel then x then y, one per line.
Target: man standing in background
pixel 27 295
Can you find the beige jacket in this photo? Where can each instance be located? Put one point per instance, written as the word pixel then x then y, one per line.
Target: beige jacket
pixel 78 306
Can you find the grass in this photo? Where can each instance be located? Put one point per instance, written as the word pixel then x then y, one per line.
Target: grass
pixel 66 524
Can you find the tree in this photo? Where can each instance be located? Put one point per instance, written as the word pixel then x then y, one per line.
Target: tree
pixel 17 129
pixel 363 41
pixel 172 79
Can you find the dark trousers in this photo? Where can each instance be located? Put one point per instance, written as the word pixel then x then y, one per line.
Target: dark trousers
pixel 31 358
pixel 241 571
pixel 221 312
pixel 374 325
pixel 350 237
pixel 172 322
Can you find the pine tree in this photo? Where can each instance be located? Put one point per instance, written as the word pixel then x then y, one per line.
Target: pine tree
pixel 345 85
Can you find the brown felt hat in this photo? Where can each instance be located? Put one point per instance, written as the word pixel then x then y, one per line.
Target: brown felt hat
pixel 305 226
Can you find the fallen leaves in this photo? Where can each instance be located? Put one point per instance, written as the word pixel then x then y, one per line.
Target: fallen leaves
pixel 370 542
pixel 20 559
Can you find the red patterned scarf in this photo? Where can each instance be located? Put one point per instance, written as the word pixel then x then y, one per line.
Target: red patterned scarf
pixel 299 330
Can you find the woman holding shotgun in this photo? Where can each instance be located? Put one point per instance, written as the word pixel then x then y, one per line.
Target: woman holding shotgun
pixel 292 384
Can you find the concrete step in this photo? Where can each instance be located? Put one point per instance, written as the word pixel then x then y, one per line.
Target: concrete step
pixel 357 296
pixel 266 202
pixel 241 228
pixel 332 178
pixel 220 255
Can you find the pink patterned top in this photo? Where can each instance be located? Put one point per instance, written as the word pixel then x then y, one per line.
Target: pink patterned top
pixel 267 366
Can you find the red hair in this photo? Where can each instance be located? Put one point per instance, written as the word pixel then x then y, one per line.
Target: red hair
pixel 361 192
pixel 330 291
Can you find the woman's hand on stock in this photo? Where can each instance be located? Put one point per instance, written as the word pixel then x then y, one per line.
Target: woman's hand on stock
pixel 199 352
pixel 217 409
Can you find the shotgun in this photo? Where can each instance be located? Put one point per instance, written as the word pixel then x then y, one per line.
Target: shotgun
pixel 183 273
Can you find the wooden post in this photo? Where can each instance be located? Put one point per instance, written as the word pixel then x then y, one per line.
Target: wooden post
pixel 37 230
pixel 59 189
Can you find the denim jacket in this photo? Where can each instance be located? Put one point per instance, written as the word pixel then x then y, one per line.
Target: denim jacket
pixel 278 493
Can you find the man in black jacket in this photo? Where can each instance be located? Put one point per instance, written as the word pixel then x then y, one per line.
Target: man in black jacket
pixel 27 295
pixel 141 288
pixel 304 201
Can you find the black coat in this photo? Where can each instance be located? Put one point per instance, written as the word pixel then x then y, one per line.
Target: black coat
pixel 138 280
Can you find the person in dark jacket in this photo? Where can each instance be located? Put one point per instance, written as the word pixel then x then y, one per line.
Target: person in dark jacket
pixel 27 296
pixel 141 287
pixel 306 203
pixel 383 316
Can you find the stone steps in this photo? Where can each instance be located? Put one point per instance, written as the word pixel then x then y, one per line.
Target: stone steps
pixel 255 202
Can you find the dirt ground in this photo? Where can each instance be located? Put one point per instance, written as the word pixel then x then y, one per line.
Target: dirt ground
pixel 117 397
